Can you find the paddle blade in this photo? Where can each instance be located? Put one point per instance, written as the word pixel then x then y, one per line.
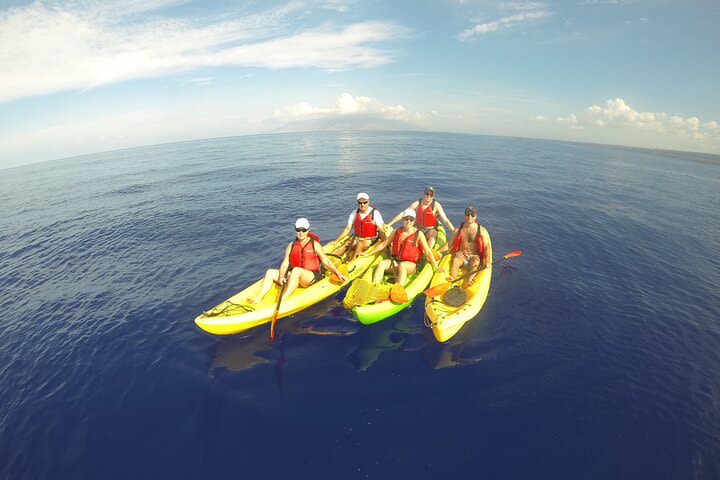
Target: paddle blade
pixel 513 254
pixel 398 293
pixel 272 324
pixel 437 255
pixel 358 294
pixel 439 289
pixel 343 269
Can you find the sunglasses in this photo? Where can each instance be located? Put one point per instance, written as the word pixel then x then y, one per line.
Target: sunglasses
pixel 431 194
pixel 301 229
pixel 470 214
pixel 361 202
pixel 408 219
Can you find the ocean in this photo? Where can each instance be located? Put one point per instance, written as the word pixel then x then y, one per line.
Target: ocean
pixel 596 355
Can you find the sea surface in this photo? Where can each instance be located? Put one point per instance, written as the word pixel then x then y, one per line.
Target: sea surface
pixel 596 356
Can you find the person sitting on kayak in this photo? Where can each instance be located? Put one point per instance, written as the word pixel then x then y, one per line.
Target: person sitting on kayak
pixel 427 212
pixel 304 258
pixel 408 244
pixel 468 246
pixel 367 226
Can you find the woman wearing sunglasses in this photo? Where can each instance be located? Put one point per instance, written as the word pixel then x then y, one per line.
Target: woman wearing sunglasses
pixel 367 226
pixel 302 265
pixel 427 211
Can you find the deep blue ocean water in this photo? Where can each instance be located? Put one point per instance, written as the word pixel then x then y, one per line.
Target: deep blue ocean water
pixel 596 356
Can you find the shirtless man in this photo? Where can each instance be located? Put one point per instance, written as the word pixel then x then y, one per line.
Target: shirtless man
pixel 467 246
pixel 427 212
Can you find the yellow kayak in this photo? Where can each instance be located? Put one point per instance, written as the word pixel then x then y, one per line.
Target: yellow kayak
pixel 446 320
pixel 235 314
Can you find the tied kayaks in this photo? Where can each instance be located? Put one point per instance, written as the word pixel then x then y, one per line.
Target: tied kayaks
pixel 415 284
pixel 236 314
pixel 446 320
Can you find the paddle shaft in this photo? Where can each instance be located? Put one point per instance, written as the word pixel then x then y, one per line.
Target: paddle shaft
pixel 277 307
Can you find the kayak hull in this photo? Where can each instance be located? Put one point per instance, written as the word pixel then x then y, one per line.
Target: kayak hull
pixel 236 314
pixel 446 320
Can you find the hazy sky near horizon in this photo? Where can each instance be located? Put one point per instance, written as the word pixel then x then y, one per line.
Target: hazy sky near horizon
pixel 82 76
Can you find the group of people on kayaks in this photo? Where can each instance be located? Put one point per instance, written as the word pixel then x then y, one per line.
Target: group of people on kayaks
pixel 304 258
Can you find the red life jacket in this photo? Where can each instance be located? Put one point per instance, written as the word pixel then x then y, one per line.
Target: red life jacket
pixel 364 227
pixel 408 250
pixel 478 241
pixel 305 256
pixel 425 217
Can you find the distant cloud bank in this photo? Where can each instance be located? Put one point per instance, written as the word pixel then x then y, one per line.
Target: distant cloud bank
pixel 617 114
pixel 348 105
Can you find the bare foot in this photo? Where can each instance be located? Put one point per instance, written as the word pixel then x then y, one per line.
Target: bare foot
pixel 469 283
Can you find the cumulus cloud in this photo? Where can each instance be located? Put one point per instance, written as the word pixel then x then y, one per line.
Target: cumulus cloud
pixel 47 47
pixel 347 105
pixel 348 113
pixel 524 12
pixel 617 114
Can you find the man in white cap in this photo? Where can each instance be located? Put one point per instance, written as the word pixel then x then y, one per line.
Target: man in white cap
pixel 408 245
pixel 304 257
pixel 366 224
pixel 427 213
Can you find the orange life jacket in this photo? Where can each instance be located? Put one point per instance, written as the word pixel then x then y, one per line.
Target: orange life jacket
pixel 305 256
pixel 408 250
pixel 364 227
pixel 425 217
pixel 478 241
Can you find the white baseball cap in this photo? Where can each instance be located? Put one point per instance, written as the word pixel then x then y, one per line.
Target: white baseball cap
pixel 362 196
pixel 409 213
pixel 302 223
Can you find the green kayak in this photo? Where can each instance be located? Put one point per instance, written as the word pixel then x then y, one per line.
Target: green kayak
pixel 414 286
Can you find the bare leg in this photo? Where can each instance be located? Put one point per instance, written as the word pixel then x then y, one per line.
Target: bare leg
pixel 298 276
pixel 405 269
pixel 474 264
pixel 431 236
pixel 457 261
pixel 382 266
pixel 360 247
pixel 271 275
pixel 342 248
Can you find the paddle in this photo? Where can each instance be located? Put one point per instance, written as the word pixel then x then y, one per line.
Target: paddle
pixel 277 309
pixel 433 292
pixel 362 292
pixel 398 293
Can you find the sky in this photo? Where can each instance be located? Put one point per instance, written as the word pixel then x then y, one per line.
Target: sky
pixel 85 76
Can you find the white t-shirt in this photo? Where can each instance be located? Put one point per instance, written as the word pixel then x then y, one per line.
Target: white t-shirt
pixel 377 218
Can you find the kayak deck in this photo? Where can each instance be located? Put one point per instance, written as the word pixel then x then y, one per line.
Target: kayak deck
pixel 446 320
pixel 236 314
pixel 414 285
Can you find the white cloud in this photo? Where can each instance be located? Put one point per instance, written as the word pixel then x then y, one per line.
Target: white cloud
pixel 570 120
pixel 341 6
pixel 526 11
pixel 50 47
pixel 617 114
pixel 347 105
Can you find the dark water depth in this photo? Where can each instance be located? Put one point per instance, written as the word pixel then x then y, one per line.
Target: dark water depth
pixel 596 356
